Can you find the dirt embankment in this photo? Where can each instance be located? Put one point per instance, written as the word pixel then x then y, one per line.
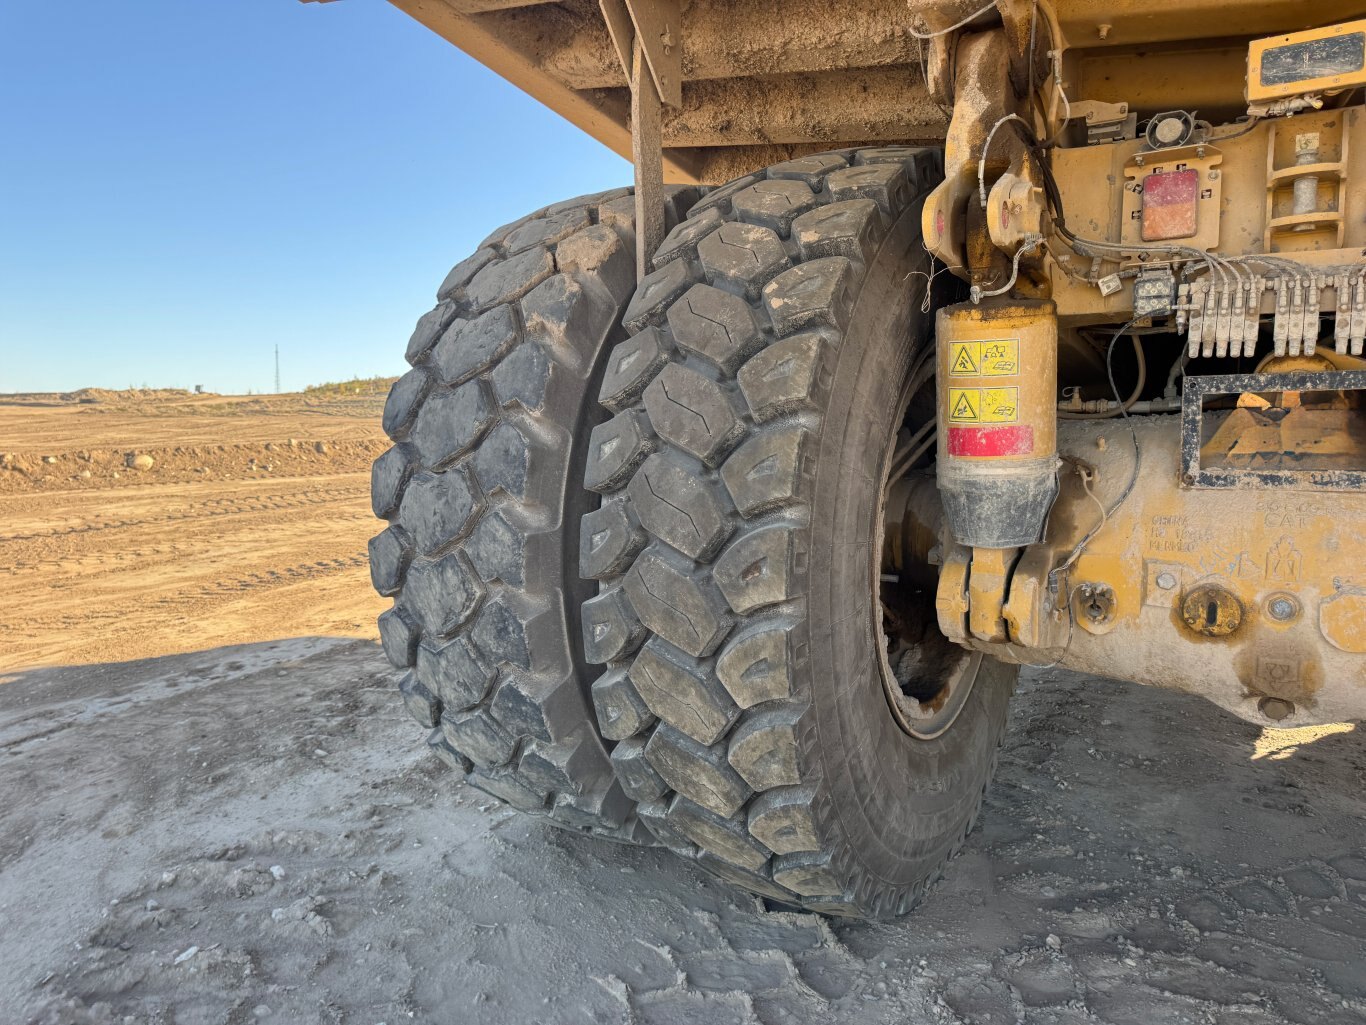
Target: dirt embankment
pixel 121 439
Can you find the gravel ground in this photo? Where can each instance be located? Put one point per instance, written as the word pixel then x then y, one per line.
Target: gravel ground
pixel 249 834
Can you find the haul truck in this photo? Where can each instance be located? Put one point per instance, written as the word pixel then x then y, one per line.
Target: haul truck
pixel 933 340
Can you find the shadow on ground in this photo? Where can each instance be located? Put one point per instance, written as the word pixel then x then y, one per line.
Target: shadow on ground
pixel 255 834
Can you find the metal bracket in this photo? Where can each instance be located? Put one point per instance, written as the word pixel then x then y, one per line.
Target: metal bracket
pixel 655 24
pixel 646 36
pixel 1193 394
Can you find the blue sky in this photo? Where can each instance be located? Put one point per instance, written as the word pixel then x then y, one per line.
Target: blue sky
pixel 186 183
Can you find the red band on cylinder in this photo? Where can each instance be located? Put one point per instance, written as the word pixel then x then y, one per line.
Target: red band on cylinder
pixel 1015 440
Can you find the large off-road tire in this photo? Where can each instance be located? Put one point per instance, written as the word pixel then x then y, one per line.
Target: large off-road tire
pixel 482 494
pixel 737 544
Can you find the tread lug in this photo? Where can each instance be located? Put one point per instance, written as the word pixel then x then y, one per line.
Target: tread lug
pixel 610 627
pixel 430 326
pixel 631 366
pixel 699 773
pixel 453 670
pixel 388 477
pixel 506 281
pixel 683 239
pixel 742 258
pixel 459 276
pixel 757 569
pixel 420 702
pixel 693 413
pixel 767 471
pixel 781 819
pixel 678 508
pixel 763 749
pixel 402 406
pixel 655 292
pixel 850 229
pixel 723 836
pixel 470 347
pixel 814 294
pixel 715 325
pixel 475 734
pixel 774 204
pixel 615 450
pixel 391 551
pixel 398 636
pixel 436 509
pixel 449 423
pixel 687 697
pixel 756 666
pixel 608 540
pixel 621 712
pixel 638 777
pixel 787 377
pixel 681 608
pixel 442 594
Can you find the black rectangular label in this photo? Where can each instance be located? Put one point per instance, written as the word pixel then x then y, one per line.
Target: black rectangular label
pixel 1316 58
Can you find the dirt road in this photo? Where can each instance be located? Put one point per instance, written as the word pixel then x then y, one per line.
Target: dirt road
pixel 250 522
pixel 248 833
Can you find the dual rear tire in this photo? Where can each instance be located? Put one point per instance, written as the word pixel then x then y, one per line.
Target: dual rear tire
pixel 725 496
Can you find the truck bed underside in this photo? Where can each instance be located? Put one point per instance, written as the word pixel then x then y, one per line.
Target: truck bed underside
pixel 767 80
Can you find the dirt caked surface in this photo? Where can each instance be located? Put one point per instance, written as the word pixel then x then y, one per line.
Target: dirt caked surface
pixel 249 829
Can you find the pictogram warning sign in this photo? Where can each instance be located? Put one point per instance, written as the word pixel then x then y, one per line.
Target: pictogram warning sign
pixel 1000 405
pixel 998 358
pixel 984 405
pixel 964 405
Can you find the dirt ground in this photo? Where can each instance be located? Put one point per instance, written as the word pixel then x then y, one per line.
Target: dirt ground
pixel 249 831
pixel 249 523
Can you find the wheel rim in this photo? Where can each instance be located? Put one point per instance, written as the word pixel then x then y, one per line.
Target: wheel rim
pixel 926 678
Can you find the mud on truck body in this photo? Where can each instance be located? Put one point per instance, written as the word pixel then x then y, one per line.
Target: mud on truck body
pixel 723 512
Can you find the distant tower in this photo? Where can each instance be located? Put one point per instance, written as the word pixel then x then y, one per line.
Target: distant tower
pixel 277 369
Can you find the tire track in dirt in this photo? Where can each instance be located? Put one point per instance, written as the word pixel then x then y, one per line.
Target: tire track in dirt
pixel 104 575
pixel 214 507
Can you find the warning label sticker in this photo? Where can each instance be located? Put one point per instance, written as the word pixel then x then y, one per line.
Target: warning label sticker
pixel 999 358
pixel 984 405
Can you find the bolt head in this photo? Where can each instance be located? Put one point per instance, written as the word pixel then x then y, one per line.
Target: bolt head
pixel 1282 608
pixel 1166 581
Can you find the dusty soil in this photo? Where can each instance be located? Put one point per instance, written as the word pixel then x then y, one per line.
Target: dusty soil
pixel 250 522
pixel 252 832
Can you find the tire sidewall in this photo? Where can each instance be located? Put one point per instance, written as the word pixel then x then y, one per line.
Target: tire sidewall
pixel 891 803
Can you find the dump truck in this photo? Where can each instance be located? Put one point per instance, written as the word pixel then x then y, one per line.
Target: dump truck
pixel 932 340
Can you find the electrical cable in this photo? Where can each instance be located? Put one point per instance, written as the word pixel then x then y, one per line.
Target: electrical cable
pixel 953 28
pixel 1133 478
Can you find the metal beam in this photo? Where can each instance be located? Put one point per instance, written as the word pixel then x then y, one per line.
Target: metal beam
pixel 828 107
pixel 647 156
pixel 723 39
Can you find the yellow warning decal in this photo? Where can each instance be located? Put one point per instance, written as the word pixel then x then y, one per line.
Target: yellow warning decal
pixel 965 405
pixel 984 405
pixel 1000 405
pixel 1001 359
pixel 998 358
pixel 964 364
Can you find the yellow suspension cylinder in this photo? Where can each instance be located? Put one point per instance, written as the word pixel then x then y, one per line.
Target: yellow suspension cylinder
pixel 998 384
